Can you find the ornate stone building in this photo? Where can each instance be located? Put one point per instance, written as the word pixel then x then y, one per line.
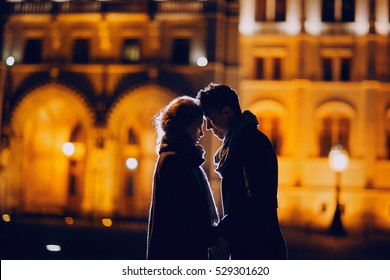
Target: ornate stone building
pixel 88 77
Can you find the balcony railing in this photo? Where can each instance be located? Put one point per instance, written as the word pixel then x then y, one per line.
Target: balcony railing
pixel 134 6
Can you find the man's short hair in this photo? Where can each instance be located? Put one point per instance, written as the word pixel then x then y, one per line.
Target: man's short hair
pixel 218 96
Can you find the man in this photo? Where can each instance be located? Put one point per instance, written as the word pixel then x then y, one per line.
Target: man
pixel 248 167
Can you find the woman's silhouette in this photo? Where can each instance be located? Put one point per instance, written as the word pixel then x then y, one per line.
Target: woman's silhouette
pixel 183 214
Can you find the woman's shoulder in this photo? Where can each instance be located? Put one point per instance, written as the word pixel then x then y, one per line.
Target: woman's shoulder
pixel 169 158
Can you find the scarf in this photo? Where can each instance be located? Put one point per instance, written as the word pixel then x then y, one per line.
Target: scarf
pixel 182 144
pixel 223 154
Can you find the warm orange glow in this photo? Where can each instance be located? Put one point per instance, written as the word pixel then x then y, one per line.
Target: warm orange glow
pixel 107 222
pixel 69 220
pixel 95 171
pixel 6 218
pixel 75 150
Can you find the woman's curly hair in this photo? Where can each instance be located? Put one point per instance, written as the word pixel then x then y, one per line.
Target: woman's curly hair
pixel 179 114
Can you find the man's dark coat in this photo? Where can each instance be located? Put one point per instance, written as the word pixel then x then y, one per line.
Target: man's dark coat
pixel 251 223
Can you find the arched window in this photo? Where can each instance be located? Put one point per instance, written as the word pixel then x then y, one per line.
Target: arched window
pixel 335 130
pixel 132 138
pixel 334 125
pixel 270 126
pixel 270 115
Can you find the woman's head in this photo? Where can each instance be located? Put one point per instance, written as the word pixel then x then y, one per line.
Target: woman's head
pixel 181 115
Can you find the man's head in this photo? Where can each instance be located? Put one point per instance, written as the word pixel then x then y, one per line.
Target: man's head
pixel 220 105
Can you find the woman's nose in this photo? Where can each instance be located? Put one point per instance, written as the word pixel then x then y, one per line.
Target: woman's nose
pixel 208 124
pixel 201 133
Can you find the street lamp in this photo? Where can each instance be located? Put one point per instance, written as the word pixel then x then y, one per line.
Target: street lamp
pixel 338 162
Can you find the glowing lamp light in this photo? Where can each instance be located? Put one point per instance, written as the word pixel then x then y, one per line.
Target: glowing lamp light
pixel 69 220
pixel 10 61
pixel 68 149
pixel 131 163
pixel 338 158
pixel 53 247
pixel 107 222
pixel 6 218
pixel 202 61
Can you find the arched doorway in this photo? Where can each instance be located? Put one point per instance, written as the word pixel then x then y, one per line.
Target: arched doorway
pixel 131 122
pixel 49 180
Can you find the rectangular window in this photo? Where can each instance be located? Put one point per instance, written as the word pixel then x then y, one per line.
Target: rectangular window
pixel 32 51
pixel 261 10
pixel 270 10
pixel 181 52
pixel 277 69
pixel 131 52
pixel 348 11
pixel 338 10
pixel 280 11
pixel 259 68
pixel 81 51
pixel 268 68
pixel 372 9
pixel 328 11
pixel 327 69
pixel 345 69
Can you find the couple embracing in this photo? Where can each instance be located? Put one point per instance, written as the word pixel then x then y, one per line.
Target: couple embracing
pixel 183 220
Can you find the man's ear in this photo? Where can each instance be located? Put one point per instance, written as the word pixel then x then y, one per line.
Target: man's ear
pixel 228 112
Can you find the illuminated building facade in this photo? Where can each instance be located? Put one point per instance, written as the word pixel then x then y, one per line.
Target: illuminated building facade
pixel 87 79
pixel 317 74
pixel 88 76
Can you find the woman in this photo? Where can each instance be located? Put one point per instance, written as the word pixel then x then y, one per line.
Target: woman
pixel 183 214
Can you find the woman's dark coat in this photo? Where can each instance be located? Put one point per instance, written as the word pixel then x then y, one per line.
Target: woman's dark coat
pixel 251 224
pixel 179 221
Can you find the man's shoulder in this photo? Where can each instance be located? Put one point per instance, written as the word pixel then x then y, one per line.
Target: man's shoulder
pixel 251 137
pixel 251 132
